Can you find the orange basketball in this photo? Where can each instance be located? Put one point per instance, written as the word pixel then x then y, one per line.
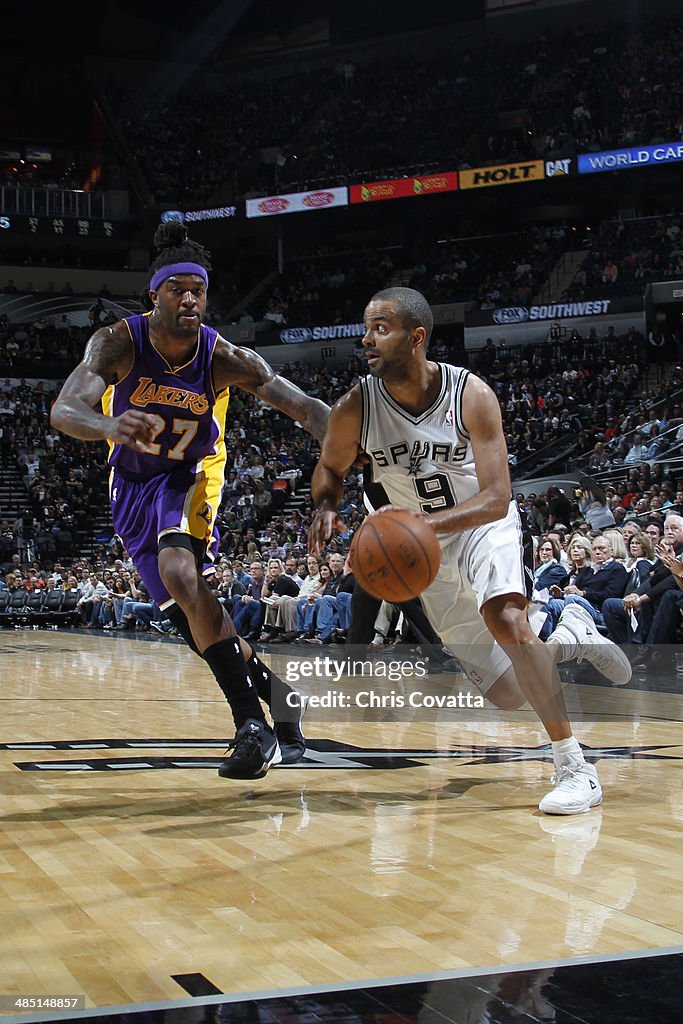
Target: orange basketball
pixel 395 554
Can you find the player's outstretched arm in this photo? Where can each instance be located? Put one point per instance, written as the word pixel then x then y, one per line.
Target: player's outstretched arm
pixel 339 451
pixel 245 369
pixel 107 359
pixel 483 421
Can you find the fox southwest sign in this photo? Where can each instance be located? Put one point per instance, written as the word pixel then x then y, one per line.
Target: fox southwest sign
pixel 332 332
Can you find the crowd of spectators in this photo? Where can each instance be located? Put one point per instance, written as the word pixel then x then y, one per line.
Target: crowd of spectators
pixel 596 403
pixel 581 92
pixel 599 393
pixel 278 594
pixel 332 287
pixel 63 480
pixel 190 144
pixel 618 87
pixel 55 173
pixel 623 257
pixel 42 340
pixel 627 575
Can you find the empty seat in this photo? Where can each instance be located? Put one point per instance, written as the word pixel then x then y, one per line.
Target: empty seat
pixel 16 605
pixel 35 603
pixel 67 613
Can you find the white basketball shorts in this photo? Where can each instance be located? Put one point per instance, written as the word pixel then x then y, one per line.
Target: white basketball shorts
pixel 475 566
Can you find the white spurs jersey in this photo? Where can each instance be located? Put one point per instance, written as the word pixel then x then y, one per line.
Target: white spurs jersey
pixel 422 462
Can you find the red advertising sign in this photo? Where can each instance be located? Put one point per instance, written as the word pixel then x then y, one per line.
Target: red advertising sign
pixel 398 188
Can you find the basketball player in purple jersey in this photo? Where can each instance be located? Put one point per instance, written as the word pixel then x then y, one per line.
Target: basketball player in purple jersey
pixel 163 381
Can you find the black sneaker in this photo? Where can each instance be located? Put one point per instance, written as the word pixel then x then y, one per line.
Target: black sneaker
pixel 255 750
pixel 290 737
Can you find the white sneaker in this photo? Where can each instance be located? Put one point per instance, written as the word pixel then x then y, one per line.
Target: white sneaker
pixel 576 788
pixel 599 651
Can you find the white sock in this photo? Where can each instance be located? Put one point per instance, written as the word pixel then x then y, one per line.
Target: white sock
pixel 567 750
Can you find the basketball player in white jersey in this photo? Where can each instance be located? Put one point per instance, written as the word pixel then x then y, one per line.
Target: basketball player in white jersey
pixel 434 435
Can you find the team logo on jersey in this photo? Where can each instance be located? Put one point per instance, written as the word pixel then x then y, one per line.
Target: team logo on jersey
pixel 435 451
pixel 419 453
pixel 149 393
pixel 205 512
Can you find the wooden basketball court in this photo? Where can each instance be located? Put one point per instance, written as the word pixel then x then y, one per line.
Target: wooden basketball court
pixel 127 865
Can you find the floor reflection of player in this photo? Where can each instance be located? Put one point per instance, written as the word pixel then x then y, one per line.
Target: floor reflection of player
pixel 163 379
pixel 482 999
pixel 434 435
pixel 600 893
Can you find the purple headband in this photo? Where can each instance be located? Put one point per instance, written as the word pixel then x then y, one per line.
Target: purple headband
pixel 177 268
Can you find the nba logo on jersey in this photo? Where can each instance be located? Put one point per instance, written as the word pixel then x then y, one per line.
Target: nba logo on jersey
pixel 450 418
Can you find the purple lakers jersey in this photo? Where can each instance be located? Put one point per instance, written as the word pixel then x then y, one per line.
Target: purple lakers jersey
pixel 189 415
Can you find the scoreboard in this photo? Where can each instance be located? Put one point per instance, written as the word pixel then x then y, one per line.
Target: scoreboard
pixel 63 227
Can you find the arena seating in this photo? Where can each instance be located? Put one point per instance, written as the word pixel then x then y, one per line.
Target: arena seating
pixel 570 92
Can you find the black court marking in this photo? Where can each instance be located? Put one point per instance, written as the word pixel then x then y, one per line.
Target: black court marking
pixel 320 753
pixel 385 760
pixel 35 649
pixel 197 985
pixel 499 755
pixel 117 744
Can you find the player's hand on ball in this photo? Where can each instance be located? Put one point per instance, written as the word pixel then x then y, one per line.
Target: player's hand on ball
pixel 134 429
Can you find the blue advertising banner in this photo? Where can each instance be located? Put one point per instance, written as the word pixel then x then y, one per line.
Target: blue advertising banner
pixel 624 159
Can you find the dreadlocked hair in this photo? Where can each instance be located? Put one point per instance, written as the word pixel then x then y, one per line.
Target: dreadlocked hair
pixel 173 245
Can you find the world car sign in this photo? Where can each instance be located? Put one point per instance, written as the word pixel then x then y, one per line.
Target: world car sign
pixel 629 158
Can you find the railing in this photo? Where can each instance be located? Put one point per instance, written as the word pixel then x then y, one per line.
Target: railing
pixel 560 448
pixel 53 202
pixel 617 474
pixel 671 449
